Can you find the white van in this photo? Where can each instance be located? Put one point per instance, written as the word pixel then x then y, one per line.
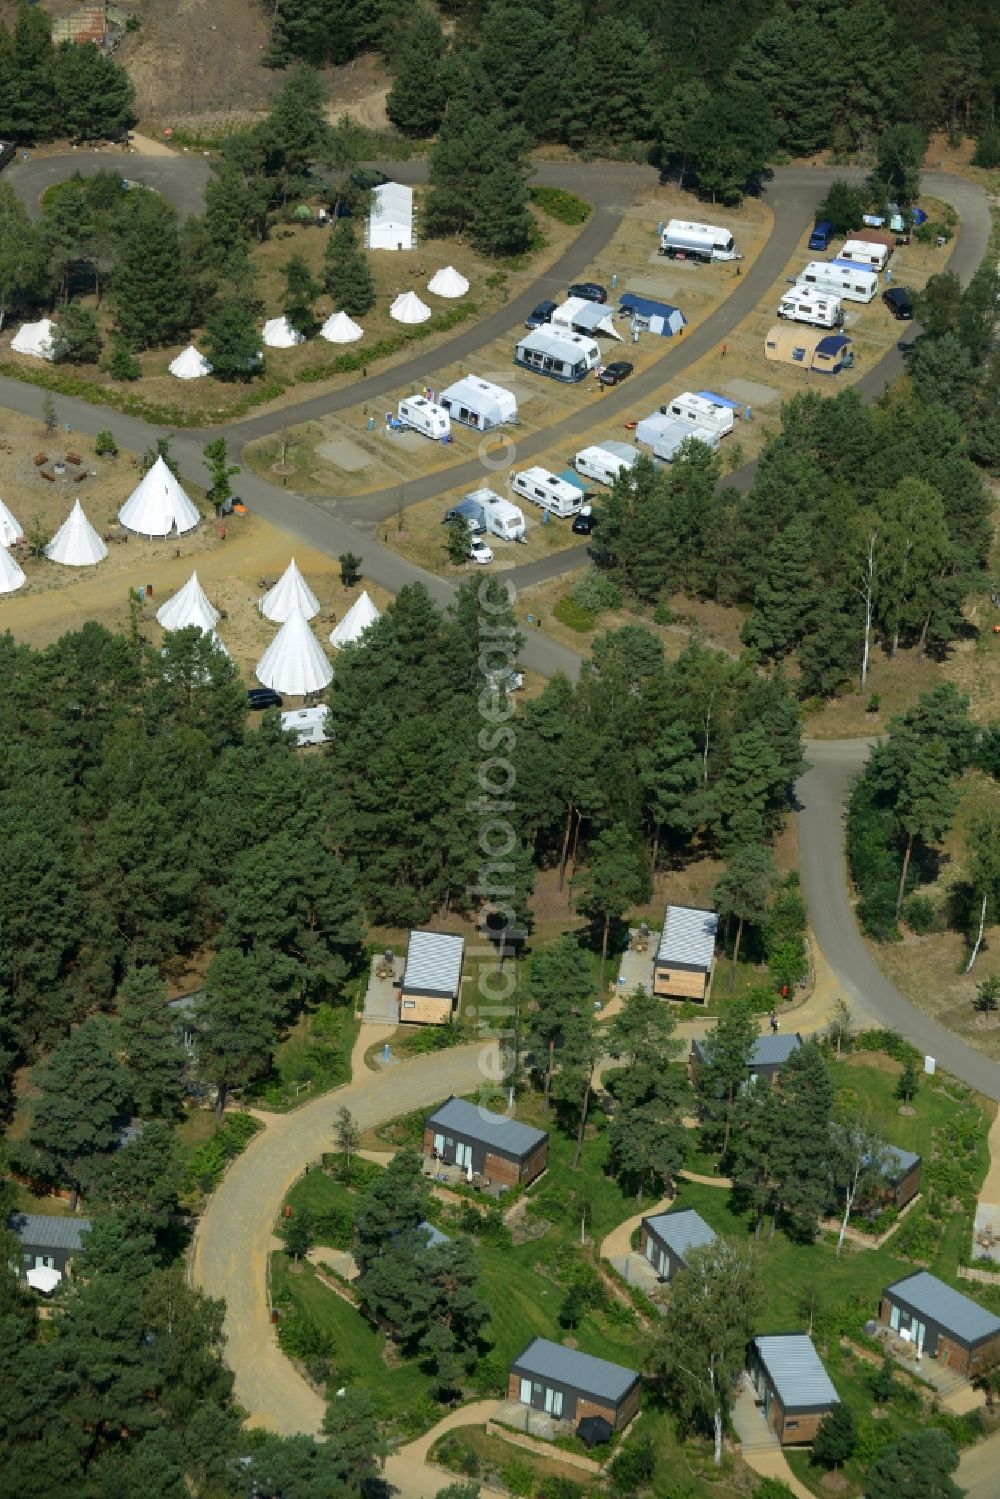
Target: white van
pixel 605 461
pixel 557 496
pixel 501 518
pixel 801 305
pixel 869 252
pixel 307 724
pixel 852 283
pixel 699 411
pixel 421 415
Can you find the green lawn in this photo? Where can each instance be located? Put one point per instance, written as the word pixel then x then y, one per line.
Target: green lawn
pixel 314 1057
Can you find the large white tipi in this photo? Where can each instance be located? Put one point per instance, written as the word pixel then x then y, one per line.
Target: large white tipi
pixel 76 543
pixel 341 329
pixel 189 365
pixel 294 662
pixel 158 505
pixel 279 334
pixel 11 574
pixel 10 527
pixel 34 339
pixel 448 283
pixel 355 622
pixel 291 592
pixel 408 308
pixel 188 606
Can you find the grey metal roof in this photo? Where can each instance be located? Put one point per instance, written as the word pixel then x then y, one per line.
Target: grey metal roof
pixel 772 1051
pixel 433 963
pixel 688 937
pixel 795 1371
pixel 42 1231
pixel 433 1235
pixel 561 343
pixel 681 1231
pixel 496 1130
pixel 951 1310
pixel 580 1371
pixel 899 1161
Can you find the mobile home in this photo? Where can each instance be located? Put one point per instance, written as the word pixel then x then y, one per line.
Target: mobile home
pixel 702 411
pixel 872 253
pixel 812 349
pixel 558 496
pixel 307 724
pixel 432 978
pixel 683 240
pixel 665 434
pixel 941 1322
pixel 853 283
pixel 605 461
pixel 650 316
pixel 500 517
pixel 420 415
pixel 558 353
pixel 479 403
pixel 804 305
pixel 497 1147
pixel 569 1385
pixel 789 1381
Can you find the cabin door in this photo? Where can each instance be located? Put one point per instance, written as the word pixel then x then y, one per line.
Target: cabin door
pixel 463 1156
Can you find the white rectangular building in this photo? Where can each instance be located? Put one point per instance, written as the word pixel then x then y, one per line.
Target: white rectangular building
pixel 390 221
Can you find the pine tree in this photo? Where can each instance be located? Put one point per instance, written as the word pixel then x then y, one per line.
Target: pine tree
pixel 120 361
pixel 153 1050
pixel 917 1466
pixel 753 789
pixel 233 345
pixel 671 775
pixel 150 289
pixel 394 1203
pixel 78 339
pixel 743 890
pixel 33 112
pixel 782 59
pixel 836 1438
pixel 416 102
pixel 722 1073
pixel 731 141
pixel 617 878
pixel 347 274
pixel 802 1159
pixel 95 94
pixel 301 291
pixel 84 1095
pixel 784 597
pixel 237 1023
pixel 500 222
pixel 22 257
pixel 560 985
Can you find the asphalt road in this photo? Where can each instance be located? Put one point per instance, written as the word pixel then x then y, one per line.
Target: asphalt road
pixel 181 179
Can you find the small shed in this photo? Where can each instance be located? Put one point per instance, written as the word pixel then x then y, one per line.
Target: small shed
pixel 569 1385
pixel 479 403
pixel 650 316
pixel 901 1175
pixel 432 978
pixel 686 954
pixel 501 1149
pixel 790 1382
pixel 810 348
pixel 47 1242
pixel 667 1237
pixel 941 1322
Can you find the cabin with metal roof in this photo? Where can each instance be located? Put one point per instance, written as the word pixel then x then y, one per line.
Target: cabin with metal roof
pixel 47 1241
pixel 432 978
pixel 666 1238
pixel 501 1150
pixel 789 1381
pixel 569 1385
pixel 941 1323
pixel 770 1053
pixel 685 956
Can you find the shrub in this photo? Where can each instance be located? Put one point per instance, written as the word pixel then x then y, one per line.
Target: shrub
pixel 105 445
pixel 634 1466
pixel 519 1478
pixel 920 914
pixel 917 1238
pixel 890 1042
pixel 597 592
pixel 301 1338
pixel 489 1377
pixel 987 152
pixel 570 613
pixel 565 207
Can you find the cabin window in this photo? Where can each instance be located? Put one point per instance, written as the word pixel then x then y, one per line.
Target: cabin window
pixel 791 1425
pixel 409 1004
pixel 439 1143
pixel 799 354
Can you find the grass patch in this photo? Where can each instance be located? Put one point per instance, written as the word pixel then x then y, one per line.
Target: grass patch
pixel 209 1160
pixel 564 207
pixel 331 1203
pixel 574 615
pixel 314 1057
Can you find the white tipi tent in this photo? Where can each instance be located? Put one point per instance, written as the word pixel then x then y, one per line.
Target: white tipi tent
pixel 188 606
pixel 291 592
pixel 408 308
pixel 76 543
pixel 279 334
pixel 359 616
pixel 294 662
pixel 189 365
pixel 448 283
pixel 341 329
pixel 10 526
pixel 34 339
pixel 11 574
pixel 158 505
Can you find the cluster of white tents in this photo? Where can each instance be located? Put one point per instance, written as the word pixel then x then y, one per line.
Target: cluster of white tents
pixel 295 663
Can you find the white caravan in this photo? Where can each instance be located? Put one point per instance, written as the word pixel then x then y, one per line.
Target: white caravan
pixel 307 724
pixel 558 496
pixel 697 241
pixel 869 252
pixel 802 305
pixel 421 415
pixel 605 461
pixel 852 283
pixel 699 411
pixel 501 518
pixel 557 353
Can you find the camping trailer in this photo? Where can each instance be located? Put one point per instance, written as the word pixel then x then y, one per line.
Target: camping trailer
pixel 558 496
pixel 664 434
pixel 581 315
pixel 605 461
pixel 701 411
pixel 650 316
pixel 852 283
pixel 478 403
pixel 811 349
pixel 500 517
pixel 558 353
pixel 307 724
pixel 804 305
pixel 421 415
pixel 872 253
pixel 705 242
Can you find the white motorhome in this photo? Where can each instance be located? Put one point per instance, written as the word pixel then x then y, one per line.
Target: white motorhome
pixel 869 252
pixel 605 461
pixel 699 411
pixel 697 241
pixel 558 353
pixel 421 415
pixel 802 305
pixel 852 283
pixel 558 496
pixel 501 518
pixel 307 724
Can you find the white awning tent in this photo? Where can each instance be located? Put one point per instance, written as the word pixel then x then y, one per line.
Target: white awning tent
pixel 189 365
pixel 34 339
pixel 291 592
pixel 294 662
pixel 584 316
pixel 158 505
pixel 11 529
pixel 390 221
pixel 43 1278
pixel 190 605
pixel 359 617
pixel 279 334
pixel 11 573
pixel 448 283
pixel 479 403
pixel 76 543
pixel 341 329
pixel 408 308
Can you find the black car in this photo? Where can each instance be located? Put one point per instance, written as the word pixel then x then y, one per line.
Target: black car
pixel 899 302
pixel 590 291
pixel 259 698
pixel 585 522
pixel 542 314
pixel 614 374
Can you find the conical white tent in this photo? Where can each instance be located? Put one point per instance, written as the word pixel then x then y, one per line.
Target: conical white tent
pixel 448 283
pixel 11 574
pixel 294 662
pixel 408 308
pixel 291 592
pixel 355 622
pixel 76 543
pixel 341 329
pixel 158 505
pixel 279 334
pixel 35 339
pixel 188 606
pixel 189 365
pixel 10 526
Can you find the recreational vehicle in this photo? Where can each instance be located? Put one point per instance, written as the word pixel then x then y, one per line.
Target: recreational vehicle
pixel 478 403
pixel 871 253
pixel 558 496
pixel 557 353
pixel 500 517
pixel 807 306
pixel 421 415
pixel 697 242
pixel 307 724
pixel 852 283
pixel 605 461
pixel 701 411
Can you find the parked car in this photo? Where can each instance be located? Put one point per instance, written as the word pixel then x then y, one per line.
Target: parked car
pixel 585 522
pixel 259 698
pixel 616 372
pixel 479 551
pixel 590 291
pixel 899 302
pixel 542 314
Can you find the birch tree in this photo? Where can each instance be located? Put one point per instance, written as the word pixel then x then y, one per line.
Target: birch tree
pixel 866 577
pixel 858 1159
pixel 983 844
